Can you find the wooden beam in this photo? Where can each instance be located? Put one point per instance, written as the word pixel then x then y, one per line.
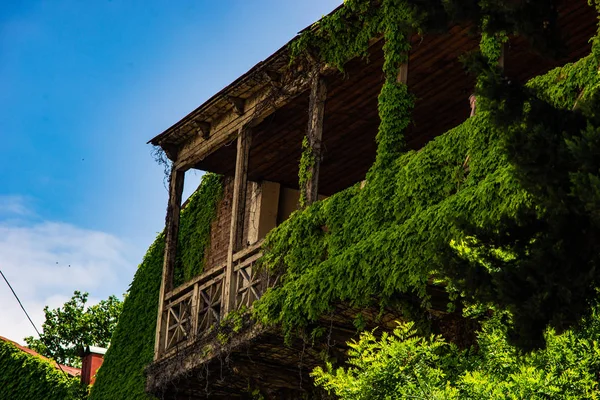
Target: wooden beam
pixel 274 78
pixel 170 150
pixel 202 128
pixel 314 134
pixel 238 104
pixel 258 106
pixel 176 181
pixel 238 206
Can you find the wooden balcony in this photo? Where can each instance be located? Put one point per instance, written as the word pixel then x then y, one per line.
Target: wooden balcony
pixel 192 310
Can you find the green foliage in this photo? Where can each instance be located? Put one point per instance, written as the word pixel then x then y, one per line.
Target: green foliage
pixel 346 34
pixel 405 365
pixel 401 365
pixel 27 377
pixel 70 328
pixel 516 183
pixel 132 345
pixel 394 234
pixel 194 228
pixel 552 146
pixel 307 161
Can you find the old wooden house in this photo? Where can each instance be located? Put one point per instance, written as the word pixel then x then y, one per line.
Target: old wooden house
pixel 251 133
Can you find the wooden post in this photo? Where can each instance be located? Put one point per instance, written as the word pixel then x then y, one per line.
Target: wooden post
pixel 236 233
pixel 403 73
pixel 171 235
pixel 316 114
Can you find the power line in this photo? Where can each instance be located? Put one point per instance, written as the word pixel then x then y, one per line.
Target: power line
pixel 27 314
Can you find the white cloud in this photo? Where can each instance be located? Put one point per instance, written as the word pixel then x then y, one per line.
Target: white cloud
pixel 45 262
pixel 11 205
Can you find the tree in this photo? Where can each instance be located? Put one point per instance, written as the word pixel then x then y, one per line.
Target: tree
pixel 68 329
pixel 405 365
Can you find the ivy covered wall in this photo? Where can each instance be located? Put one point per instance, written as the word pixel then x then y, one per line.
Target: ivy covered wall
pixel 501 209
pixel 26 377
pixel 132 346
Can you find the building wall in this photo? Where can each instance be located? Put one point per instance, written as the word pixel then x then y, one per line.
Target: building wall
pixel 267 205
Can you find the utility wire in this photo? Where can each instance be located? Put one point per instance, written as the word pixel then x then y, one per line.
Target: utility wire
pixel 25 311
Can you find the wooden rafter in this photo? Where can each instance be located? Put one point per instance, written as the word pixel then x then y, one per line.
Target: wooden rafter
pixel 239 104
pixel 202 128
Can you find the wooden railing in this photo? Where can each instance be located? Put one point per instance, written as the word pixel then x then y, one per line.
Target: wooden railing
pixel 248 283
pixel 191 310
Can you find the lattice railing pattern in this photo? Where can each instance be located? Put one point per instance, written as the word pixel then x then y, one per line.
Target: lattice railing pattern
pixel 250 283
pixel 179 320
pixel 210 299
pixel 193 308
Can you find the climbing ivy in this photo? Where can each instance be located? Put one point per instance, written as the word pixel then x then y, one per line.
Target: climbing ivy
pixel 347 33
pixel 307 161
pixel 474 185
pixel 28 377
pixel 194 228
pixel 132 344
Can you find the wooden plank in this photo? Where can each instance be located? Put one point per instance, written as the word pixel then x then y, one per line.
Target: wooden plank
pixel 241 184
pixel 171 232
pixel 237 213
pixel 316 114
pixel 247 261
pixel 246 251
pixel 215 280
pixel 194 311
pixel 199 279
pixel 403 73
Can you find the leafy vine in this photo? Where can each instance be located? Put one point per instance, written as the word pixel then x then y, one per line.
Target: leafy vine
pixel 394 235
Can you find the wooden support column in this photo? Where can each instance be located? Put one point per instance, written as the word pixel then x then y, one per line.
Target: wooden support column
pixel 236 233
pixel 176 181
pixel 314 134
pixel 403 73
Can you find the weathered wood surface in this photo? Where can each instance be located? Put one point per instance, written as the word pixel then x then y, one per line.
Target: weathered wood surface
pixel 195 308
pixel 256 108
pixel 314 134
pixel 176 182
pixel 236 233
pixel 258 357
pixel 403 74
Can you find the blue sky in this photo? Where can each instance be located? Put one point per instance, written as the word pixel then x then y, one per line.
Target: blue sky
pixel 83 87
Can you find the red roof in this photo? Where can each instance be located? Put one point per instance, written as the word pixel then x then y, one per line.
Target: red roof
pixel 69 370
